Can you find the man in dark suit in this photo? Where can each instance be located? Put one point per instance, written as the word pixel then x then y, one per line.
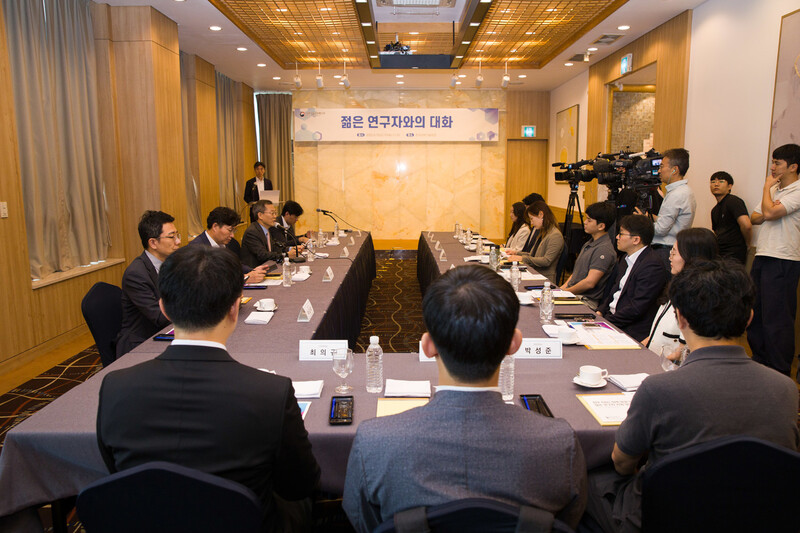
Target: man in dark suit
pixel 466 442
pixel 289 215
pixel 141 316
pixel 256 184
pixel 262 240
pixel 194 405
pixel 221 224
pixel 632 302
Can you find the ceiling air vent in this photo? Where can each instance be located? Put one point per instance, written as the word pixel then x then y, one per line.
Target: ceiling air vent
pixel 416 3
pixel 576 58
pixel 607 39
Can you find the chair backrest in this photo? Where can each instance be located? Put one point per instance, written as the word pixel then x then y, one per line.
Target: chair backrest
pixel 561 265
pixel 102 310
pixel 477 515
pixel 728 484
pixel 163 497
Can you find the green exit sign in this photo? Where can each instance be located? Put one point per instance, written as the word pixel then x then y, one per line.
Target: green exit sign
pixel 529 131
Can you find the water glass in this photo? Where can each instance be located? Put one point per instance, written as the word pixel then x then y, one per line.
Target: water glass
pixel 343 367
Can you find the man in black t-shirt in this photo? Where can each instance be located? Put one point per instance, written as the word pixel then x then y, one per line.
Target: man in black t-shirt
pixel 729 219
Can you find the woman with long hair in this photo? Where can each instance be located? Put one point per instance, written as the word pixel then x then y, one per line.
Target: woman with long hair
pixel 691 244
pixel 549 242
pixel 520 230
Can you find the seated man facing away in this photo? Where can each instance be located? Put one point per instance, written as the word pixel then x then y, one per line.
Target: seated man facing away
pixel 632 302
pixel 263 241
pixel 717 392
pixel 466 442
pixel 221 224
pixel 597 259
pixel 141 316
pixel 196 406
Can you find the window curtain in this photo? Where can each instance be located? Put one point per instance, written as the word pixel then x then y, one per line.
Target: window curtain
pixel 53 70
pixel 196 226
pixel 229 131
pixel 275 127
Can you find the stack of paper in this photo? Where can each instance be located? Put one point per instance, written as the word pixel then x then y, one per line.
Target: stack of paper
pixel 607 409
pixel 301 276
pixel 627 382
pixel 321 255
pixel 259 317
pixel 308 389
pixel 408 389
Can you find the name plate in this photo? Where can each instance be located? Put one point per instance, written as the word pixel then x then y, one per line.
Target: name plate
pixel 320 350
pixel 345 252
pixel 424 358
pixel 539 349
pixel 306 312
pixel 328 275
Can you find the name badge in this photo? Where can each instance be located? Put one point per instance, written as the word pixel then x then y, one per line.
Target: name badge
pixel 539 349
pixel 320 350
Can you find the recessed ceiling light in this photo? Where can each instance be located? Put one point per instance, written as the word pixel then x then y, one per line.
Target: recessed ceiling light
pixel 282 9
pixel 261 65
pixel 276 78
pixel 324 9
pixel 458 83
pixel 337 76
pixel 345 50
pixel 514 50
pixel 400 82
pixel 459 57
pixel 592 49
pixel 179 0
pixel 529 33
pixel 568 64
pixel 491 32
pixel 550 9
pixel 341 82
pixel 505 11
pixel 214 28
pixel 335 33
pixel 399 76
pixel 474 24
pixel 241 48
pixel 298 33
pixel 462 75
pixel 465 42
pixel 373 57
pixel 413 33
pixel 522 76
pixel 623 28
pixel 365 24
pixel 370 42
pixel 312 51
pixel 479 50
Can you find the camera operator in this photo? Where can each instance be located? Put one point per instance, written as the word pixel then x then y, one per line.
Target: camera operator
pixel 677 210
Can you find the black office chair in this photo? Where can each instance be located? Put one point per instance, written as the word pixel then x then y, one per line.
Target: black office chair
pixel 161 497
pixel 476 515
pixel 730 484
pixel 561 266
pixel 102 310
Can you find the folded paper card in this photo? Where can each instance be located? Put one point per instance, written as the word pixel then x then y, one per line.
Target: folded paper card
pixel 259 317
pixel 308 389
pixel 408 389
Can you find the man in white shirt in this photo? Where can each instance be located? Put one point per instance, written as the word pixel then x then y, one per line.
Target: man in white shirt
pixel 776 267
pixel 677 209
pixel 254 186
pixel 632 302
pixel 466 442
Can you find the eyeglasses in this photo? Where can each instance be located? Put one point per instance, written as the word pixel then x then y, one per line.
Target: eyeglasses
pixel 172 236
pixel 620 234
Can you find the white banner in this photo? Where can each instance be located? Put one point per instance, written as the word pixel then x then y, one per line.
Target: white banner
pixel 396 125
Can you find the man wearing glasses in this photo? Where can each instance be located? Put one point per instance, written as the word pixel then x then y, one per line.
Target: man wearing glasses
pixel 262 240
pixel 141 316
pixel 640 277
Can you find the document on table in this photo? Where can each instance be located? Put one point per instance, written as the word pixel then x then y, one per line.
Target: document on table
pixel 628 382
pixel 392 406
pixel 601 336
pixel 266 283
pixel 607 409
pixel 308 389
pixel 408 389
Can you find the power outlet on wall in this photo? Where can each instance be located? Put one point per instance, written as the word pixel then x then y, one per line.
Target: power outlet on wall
pixel 3 209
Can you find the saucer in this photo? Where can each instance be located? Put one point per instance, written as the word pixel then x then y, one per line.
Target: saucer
pixel 577 381
pixel 569 343
pixel 275 308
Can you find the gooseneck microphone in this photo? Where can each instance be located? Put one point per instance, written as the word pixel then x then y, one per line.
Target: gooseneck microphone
pixel 297 258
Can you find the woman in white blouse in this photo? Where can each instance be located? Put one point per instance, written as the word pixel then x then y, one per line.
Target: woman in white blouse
pixel 691 244
pixel 520 230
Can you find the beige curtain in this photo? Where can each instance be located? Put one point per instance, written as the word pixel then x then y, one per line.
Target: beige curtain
pixel 275 127
pixel 229 126
pixel 53 69
pixel 196 226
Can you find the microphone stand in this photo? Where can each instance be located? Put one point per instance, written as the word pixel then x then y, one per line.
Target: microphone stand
pixel 297 258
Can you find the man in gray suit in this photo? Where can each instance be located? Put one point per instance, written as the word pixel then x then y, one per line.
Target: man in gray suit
pixel 466 442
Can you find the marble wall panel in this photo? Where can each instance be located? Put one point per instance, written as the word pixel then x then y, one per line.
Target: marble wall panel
pixel 397 190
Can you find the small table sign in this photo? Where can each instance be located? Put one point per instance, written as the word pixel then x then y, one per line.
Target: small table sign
pixel 442 257
pixel 539 349
pixel 328 276
pixel 437 245
pixel 306 312
pixel 320 350
pixel 345 252
pixel 352 241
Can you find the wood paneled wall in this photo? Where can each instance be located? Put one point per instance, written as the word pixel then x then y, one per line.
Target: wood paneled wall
pixel 526 158
pixel 139 98
pixel 668 47
pixel 248 142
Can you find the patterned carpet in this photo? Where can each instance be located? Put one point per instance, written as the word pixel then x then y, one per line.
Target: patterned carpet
pixel 394 308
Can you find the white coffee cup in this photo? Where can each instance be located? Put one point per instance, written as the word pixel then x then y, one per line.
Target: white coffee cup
pixel 592 375
pixel 567 335
pixel 266 304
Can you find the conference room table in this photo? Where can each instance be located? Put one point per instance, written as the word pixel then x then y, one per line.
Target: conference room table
pixel 54 453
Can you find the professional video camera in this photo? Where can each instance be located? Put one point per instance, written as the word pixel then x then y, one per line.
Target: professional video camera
pixel 572 173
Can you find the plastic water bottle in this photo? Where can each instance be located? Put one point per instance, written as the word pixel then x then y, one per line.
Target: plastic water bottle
pixel 320 238
pixel 514 276
pixel 494 258
pixel 507 378
pixel 310 248
pixel 287 272
pixel 546 304
pixel 457 230
pixel 479 246
pixel 469 236
pixel 335 230
pixel 374 365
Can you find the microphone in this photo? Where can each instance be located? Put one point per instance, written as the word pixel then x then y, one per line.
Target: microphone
pixel 298 258
pixel 324 212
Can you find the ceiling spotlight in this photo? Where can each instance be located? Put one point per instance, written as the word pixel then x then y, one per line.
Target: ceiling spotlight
pixel 506 78
pixel 320 82
pixel 592 49
pixel 522 76
pixel 298 82
pixel 567 64
pixel 242 49
pixel 479 79
pixel 453 80
pixel 623 28
pixel 261 65
pixel 586 57
pixel 214 28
